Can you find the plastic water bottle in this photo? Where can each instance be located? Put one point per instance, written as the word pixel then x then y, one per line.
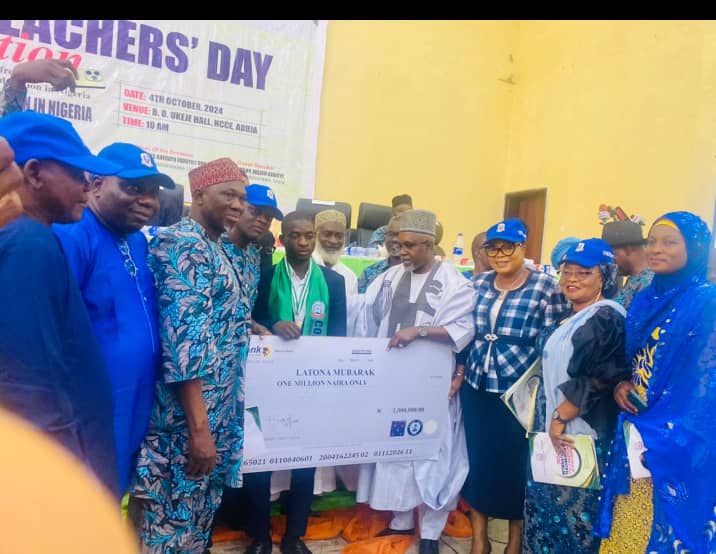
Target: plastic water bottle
pixel 458 249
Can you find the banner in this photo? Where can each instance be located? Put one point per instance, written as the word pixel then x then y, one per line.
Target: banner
pixel 320 401
pixel 187 91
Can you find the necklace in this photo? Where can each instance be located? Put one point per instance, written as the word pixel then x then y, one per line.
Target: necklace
pixel 511 286
pixel 129 266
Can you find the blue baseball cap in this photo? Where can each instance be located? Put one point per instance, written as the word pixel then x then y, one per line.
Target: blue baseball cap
pixel 35 135
pixel 261 195
pixel 135 163
pixel 510 230
pixel 589 252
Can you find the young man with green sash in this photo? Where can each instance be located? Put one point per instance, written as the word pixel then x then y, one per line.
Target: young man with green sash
pixel 296 297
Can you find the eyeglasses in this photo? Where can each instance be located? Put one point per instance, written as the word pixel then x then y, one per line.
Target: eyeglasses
pixel 411 245
pixel 506 249
pixel 579 274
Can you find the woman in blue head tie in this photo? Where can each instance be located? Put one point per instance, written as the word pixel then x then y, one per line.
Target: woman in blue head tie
pixel 670 400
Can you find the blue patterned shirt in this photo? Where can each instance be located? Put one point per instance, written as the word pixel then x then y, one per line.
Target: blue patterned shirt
pixel 203 318
pixel 633 285
pixel 247 264
pixel 202 326
pixel 370 273
pixel 378 237
pixel 525 318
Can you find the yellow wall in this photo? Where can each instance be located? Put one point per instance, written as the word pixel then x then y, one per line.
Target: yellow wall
pixel 417 107
pixel 615 112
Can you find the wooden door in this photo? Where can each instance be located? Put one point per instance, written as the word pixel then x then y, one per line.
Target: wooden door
pixel 529 206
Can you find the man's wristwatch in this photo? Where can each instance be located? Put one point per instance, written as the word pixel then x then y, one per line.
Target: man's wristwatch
pixel 557 417
pixel 423 331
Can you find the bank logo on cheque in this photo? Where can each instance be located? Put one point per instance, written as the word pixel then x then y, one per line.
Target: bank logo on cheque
pixel 261 350
pixel 398 428
pixel 415 427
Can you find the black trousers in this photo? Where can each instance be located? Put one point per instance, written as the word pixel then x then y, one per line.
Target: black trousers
pixel 257 490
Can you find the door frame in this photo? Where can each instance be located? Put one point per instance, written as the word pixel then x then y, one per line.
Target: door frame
pixel 515 197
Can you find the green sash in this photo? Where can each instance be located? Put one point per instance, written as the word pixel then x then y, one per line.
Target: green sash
pixel 284 305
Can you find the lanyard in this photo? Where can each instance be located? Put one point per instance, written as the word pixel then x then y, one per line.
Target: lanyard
pixel 298 301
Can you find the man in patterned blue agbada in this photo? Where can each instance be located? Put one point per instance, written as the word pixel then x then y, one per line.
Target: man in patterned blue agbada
pixel 195 434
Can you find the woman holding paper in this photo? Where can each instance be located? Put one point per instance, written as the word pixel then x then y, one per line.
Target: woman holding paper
pixel 582 361
pixel 514 306
pixel 670 399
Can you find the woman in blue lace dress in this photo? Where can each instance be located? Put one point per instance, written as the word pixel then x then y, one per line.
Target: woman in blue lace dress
pixel 671 342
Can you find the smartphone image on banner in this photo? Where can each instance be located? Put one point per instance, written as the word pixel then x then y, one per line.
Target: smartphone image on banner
pixel 90 78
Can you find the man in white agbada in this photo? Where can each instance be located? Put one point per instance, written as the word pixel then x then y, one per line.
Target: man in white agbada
pixel 421 299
